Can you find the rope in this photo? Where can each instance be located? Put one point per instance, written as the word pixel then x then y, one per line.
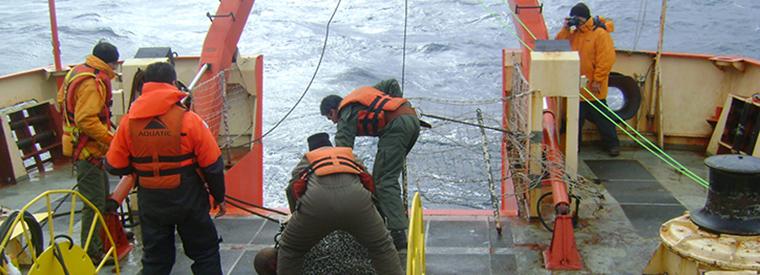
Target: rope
pixel 645 143
pixel 404 174
pixel 491 184
pixel 462 102
pixel 403 51
pixel 640 25
pixel 514 15
pixel 505 23
pixel 316 70
pixel 465 122
pixel 659 152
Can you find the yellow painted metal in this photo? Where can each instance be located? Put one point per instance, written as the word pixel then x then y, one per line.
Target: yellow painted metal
pixel 4 240
pixel 18 230
pixel 51 225
pixel 685 249
pixel 415 254
pixel 71 217
pixel 74 257
pixel 555 73
pixel 15 247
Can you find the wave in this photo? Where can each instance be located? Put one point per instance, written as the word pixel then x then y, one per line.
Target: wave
pixel 88 15
pixel 94 31
pixel 433 47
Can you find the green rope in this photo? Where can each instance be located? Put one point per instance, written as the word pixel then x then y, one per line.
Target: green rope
pixel 646 144
pixel 506 25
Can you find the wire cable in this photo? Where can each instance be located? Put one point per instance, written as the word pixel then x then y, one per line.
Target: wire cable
pixel 314 76
pixel 403 50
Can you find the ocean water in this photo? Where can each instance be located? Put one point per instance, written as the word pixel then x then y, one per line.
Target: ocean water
pixel 453 52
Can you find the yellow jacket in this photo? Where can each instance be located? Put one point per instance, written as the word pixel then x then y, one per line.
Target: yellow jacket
pixel 90 101
pixel 596 50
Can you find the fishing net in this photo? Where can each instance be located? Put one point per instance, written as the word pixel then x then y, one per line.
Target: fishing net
pixel 448 165
pixel 208 100
pixel 338 253
pixel 218 101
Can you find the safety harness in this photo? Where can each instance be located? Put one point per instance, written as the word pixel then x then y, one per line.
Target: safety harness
pixel 380 110
pixel 156 151
pixel 331 160
pixel 73 79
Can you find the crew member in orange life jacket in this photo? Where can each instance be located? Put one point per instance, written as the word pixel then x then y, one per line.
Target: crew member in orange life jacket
pixel 379 111
pixel 85 102
pixel 590 36
pixel 330 191
pixel 174 158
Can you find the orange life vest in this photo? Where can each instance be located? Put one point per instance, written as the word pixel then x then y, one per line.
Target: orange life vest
pixel 70 85
pixel 331 160
pixel 156 152
pixel 381 109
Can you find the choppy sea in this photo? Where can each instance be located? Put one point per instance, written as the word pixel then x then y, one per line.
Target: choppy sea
pixel 453 52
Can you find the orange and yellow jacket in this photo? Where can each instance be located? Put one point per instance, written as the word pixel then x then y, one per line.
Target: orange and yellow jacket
pixel 196 141
pixel 597 52
pixel 90 100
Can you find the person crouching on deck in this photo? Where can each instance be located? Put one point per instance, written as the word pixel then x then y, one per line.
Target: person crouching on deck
pixel 330 190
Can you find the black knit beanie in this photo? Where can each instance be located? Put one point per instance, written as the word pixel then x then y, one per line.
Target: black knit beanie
pixel 106 52
pixel 580 10
pixel 318 140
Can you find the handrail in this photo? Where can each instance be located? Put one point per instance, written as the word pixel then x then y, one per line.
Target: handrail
pixel 415 254
pixel 46 195
pixel 198 76
pixel 553 155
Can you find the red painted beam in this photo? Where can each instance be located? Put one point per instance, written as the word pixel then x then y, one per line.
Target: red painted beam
pixel 219 49
pixel 533 20
pixel 56 44
pixel 553 154
pixel 562 253
pixel 221 41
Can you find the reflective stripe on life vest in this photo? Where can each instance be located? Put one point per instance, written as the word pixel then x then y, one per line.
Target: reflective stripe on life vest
pixel 380 108
pixel 71 83
pixel 331 160
pixel 155 152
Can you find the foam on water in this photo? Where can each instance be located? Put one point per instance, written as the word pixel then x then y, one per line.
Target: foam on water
pixel 453 51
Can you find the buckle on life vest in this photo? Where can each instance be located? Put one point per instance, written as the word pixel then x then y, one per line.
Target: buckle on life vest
pixel 367 182
pixel 299 185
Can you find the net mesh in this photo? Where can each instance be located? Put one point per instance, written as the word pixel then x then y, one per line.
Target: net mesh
pixel 447 165
pixel 448 168
pixel 217 101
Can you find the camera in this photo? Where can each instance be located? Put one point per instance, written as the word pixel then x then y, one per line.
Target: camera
pixel 573 21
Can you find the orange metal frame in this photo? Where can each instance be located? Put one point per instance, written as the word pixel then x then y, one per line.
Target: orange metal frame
pixel 244 180
pixel 562 253
pixel 219 49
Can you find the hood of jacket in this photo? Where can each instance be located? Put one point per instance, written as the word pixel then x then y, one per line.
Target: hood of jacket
pixel 156 99
pixel 608 24
pixel 96 63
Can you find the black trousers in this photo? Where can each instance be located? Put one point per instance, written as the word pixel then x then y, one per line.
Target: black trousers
pixel 199 239
pixel 606 128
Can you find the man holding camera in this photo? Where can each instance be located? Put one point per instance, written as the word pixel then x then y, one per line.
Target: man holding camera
pixel 591 38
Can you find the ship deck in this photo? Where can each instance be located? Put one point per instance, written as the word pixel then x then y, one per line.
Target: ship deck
pixel 640 192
